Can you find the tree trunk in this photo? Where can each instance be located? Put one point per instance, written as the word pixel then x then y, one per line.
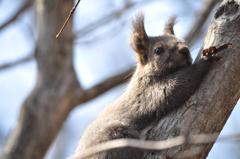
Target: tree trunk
pixel 209 108
pixel 46 108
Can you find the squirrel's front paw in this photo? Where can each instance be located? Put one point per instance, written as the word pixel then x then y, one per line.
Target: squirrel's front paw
pixel 210 53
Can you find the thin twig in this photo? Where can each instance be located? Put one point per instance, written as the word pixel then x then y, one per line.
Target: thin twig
pixel 15 16
pixel 68 18
pixel 154 145
pixel 115 15
pixel 111 33
pixel 104 20
pixel 16 62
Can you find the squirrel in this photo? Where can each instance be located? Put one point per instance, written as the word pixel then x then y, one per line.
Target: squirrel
pixel 164 79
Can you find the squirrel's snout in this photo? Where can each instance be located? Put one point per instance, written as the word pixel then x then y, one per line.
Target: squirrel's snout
pixel 184 50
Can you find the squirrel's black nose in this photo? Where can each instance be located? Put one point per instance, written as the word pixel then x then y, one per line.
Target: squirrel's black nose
pixel 184 50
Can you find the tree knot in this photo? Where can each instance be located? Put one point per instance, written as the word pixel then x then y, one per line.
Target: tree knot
pixel 229 8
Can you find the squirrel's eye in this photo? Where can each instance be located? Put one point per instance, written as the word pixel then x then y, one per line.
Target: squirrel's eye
pixel 159 50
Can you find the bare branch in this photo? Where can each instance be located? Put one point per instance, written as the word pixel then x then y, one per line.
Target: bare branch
pixel 156 145
pixel 82 96
pixel 16 62
pixel 105 35
pixel 68 18
pixel 201 19
pixel 105 20
pixel 18 13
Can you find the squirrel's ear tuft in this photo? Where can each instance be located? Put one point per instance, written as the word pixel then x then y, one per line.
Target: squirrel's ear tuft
pixel 139 38
pixel 168 29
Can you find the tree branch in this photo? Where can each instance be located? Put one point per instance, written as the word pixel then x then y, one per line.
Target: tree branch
pixel 201 19
pixel 68 18
pixel 106 19
pixel 82 96
pixel 157 145
pixel 16 62
pixel 17 14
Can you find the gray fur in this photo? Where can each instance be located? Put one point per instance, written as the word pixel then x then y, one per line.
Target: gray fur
pixel 160 84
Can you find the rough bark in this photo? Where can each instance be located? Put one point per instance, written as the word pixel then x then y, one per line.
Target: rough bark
pixel 44 111
pixel 209 108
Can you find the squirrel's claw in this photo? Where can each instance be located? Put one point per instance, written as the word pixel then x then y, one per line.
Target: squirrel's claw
pixel 213 50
